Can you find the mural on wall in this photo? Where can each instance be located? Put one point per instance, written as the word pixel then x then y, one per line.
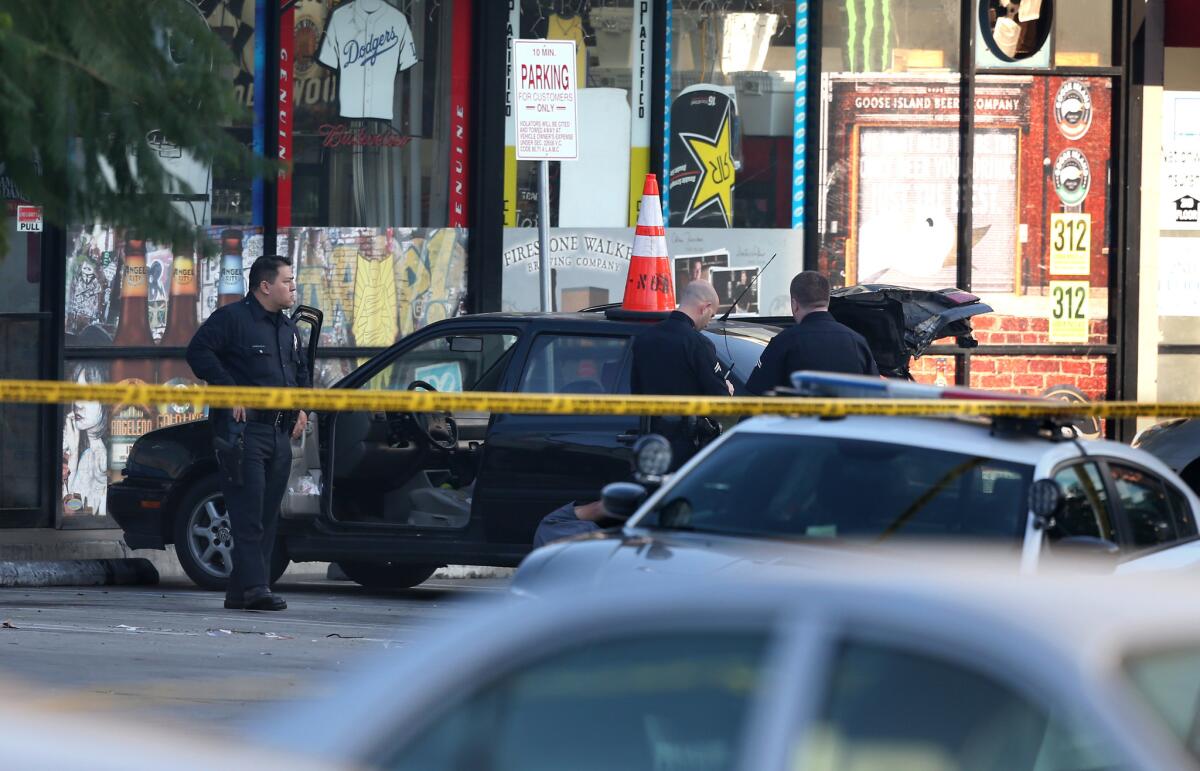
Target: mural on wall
pixel 375 285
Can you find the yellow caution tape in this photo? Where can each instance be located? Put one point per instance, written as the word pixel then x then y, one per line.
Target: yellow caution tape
pixel 359 400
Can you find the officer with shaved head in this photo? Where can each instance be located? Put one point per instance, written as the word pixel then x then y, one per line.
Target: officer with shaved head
pixel 672 358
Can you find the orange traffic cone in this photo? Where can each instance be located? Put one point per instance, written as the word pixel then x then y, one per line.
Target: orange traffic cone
pixel 649 289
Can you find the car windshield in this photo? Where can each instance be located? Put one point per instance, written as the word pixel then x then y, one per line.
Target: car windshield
pixel 815 487
pixel 1169 683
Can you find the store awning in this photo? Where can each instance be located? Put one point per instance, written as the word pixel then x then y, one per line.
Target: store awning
pixel 1183 24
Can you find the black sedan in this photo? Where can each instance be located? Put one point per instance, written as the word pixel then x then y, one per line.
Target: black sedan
pixel 391 497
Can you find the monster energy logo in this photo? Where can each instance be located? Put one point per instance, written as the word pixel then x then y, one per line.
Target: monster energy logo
pixel 869 35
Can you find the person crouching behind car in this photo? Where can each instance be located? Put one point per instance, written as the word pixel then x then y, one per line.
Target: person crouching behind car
pixel 570 520
pixel 816 342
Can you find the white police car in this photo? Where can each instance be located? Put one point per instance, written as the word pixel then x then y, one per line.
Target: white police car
pixel 802 491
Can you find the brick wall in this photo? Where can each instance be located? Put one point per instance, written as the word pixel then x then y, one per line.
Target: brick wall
pixel 993 329
pixel 1022 374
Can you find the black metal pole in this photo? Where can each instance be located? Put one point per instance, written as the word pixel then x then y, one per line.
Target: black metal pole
pixel 966 165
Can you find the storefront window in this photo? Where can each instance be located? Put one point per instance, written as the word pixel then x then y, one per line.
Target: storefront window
pixel 1178 244
pixel 1083 29
pixel 231 197
pixel 1042 208
pixel 728 180
pixel 888 206
pixel 382 91
pixel 594 200
pixel 890 36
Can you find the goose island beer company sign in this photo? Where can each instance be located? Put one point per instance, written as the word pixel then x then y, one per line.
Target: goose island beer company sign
pixel 544 96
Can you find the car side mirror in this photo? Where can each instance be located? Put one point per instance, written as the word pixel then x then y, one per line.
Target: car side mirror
pixel 1045 500
pixel 622 499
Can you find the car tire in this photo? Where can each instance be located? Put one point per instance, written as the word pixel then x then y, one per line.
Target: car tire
pixel 200 520
pixel 387 575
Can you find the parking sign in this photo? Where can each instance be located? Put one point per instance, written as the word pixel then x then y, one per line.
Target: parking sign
pixel 544 97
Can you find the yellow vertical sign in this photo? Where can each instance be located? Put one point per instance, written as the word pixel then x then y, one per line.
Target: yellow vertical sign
pixel 1070 244
pixel 512 32
pixel 640 49
pixel 1068 311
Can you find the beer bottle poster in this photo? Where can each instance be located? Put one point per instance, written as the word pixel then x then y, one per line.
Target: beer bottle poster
pixel 703 148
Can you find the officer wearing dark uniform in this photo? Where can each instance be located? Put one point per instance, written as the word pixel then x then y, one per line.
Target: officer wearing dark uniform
pixel 253 343
pixel 816 342
pixel 672 358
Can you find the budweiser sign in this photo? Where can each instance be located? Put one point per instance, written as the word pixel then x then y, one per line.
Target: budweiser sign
pixel 340 135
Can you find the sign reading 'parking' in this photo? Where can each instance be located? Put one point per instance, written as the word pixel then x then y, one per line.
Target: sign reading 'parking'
pixel 544 97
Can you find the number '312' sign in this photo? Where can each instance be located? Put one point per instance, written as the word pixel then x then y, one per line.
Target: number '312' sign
pixel 1070 244
pixel 1068 311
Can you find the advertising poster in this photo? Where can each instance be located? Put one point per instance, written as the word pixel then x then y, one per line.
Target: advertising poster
pixel 589 266
pixel 375 285
pixel 889 203
pixel 1180 193
pixel 703 151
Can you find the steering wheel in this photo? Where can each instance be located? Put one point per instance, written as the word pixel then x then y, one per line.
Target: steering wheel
pixel 437 428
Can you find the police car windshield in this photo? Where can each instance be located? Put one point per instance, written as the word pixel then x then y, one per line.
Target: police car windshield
pixel 808 487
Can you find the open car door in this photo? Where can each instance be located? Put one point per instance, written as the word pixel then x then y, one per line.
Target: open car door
pixel 900 323
pixel 302 498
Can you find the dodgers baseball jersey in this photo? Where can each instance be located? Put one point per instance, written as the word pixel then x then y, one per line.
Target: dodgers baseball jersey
pixel 369 42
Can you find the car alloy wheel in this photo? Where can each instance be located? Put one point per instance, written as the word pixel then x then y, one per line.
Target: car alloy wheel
pixel 210 536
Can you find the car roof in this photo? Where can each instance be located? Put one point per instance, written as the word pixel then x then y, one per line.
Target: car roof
pixel 933 433
pixel 961 598
pixel 963 435
pixel 750 327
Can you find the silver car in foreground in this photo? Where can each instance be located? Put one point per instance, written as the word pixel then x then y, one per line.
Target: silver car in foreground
pixel 936 667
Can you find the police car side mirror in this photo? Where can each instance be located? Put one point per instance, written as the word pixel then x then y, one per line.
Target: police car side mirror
pixel 622 499
pixel 1045 499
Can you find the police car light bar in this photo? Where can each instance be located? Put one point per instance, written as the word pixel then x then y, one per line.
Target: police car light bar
pixel 834 386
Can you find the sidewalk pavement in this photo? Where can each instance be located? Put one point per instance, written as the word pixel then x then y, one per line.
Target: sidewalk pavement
pixel 95 557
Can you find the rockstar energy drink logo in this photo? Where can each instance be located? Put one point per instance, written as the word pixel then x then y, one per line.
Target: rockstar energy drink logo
pixel 703 169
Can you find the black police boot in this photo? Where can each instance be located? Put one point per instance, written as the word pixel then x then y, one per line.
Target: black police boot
pixel 261 598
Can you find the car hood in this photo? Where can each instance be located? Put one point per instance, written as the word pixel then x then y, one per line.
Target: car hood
pixel 637 554
pixel 899 322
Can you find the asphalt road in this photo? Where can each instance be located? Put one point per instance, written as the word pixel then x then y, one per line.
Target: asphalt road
pixel 173 654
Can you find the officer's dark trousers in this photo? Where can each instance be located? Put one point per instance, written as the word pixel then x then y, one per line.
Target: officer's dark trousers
pixel 680 433
pixel 253 506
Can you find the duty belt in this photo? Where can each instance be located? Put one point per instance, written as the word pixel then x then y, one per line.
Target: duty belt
pixel 277 418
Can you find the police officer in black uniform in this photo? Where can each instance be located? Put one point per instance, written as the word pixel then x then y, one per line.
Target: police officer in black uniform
pixel 816 342
pixel 253 343
pixel 672 358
